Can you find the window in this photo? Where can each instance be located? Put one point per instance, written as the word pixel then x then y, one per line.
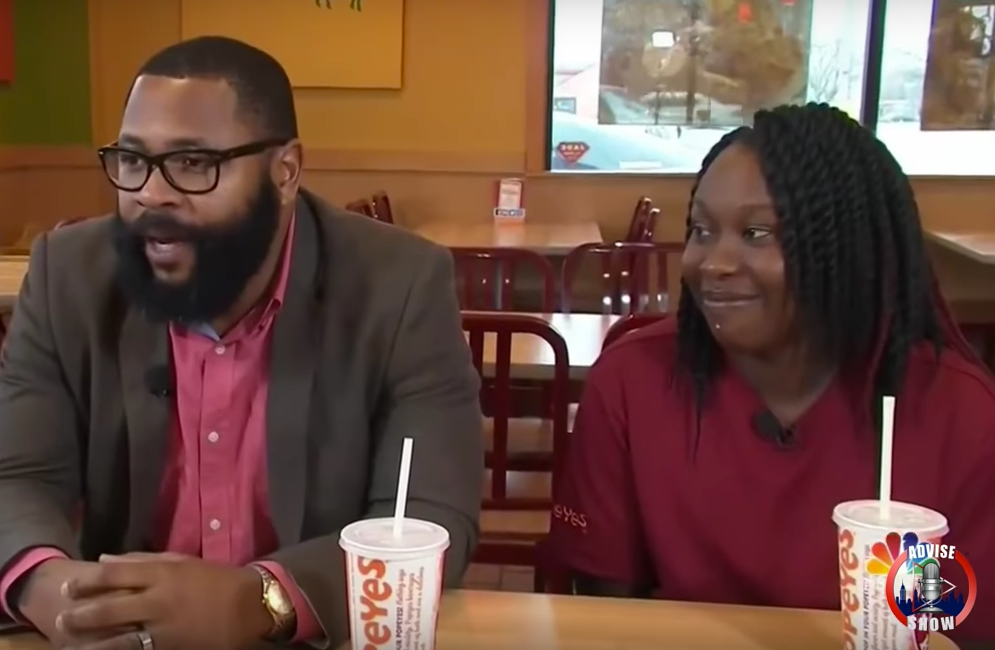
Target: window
pixel 932 128
pixel 651 85
pixel 655 83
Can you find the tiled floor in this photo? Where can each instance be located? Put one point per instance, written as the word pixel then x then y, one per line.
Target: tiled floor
pixel 511 578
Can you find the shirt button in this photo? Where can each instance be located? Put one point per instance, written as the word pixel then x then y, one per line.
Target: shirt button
pixel 215 524
pixel 213 436
pixel 219 350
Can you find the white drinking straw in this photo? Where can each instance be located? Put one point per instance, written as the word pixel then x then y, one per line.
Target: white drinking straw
pixel 887 444
pixel 403 477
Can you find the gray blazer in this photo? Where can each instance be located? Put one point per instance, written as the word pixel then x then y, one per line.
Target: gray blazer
pixel 367 350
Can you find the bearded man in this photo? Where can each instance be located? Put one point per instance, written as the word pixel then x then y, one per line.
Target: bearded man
pixel 199 391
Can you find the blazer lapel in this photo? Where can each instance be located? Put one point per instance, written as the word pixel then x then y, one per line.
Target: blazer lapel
pixel 143 345
pixel 291 374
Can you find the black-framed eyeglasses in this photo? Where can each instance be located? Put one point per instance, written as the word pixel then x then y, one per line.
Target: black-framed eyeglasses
pixel 191 171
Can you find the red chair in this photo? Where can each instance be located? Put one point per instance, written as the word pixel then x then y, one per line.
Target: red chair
pixel 491 279
pixel 648 233
pixel 512 524
pixel 363 207
pixel 642 224
pixel 625 275
pixel 631 323
pixel 480 271
pixel 381 208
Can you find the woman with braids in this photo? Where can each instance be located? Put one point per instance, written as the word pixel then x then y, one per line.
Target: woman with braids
pixel 710 449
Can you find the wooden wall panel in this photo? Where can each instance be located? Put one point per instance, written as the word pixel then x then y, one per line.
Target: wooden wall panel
pixel 45 183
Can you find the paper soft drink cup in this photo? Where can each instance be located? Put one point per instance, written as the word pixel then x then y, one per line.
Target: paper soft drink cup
pixel 868 537
pixel 394 583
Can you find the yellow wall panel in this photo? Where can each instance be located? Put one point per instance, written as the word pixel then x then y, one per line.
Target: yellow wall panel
pixel 464 79
pixel 321 43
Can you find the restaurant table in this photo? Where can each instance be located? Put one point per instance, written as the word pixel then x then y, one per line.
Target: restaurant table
pixel 494 620
pixel 979 245
pixel 545 238
pixel 532 358
pixel 967 285
pixel 12 271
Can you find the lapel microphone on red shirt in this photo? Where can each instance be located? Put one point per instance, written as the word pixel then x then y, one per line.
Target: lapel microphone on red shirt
pixel 769 428
pixel 159 381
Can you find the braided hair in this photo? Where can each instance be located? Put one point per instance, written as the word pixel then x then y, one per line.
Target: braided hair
pixel 854 257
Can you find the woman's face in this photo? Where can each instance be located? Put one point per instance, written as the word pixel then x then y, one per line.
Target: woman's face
pixel 732 262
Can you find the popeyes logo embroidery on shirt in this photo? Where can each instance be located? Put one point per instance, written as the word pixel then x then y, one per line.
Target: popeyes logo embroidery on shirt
pixel 849 565
pixel 376 592
pixel 570 516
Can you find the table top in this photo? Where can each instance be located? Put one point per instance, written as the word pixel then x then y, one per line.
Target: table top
pixel 979 246
pixel 502 620
pixel 545 238
pixel 532 358
pixel 492 620
pixel 967 285
pixel 12 271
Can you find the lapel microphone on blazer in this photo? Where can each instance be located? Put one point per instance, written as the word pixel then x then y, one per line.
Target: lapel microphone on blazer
pixel 769 428
pixel 159 381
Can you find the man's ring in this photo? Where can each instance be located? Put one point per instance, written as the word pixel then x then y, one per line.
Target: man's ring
pixel 146 640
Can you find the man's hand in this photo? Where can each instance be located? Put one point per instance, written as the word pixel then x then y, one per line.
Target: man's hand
pixel 42 599
pixel 182 604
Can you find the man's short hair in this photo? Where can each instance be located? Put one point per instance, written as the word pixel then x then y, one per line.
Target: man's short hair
pixel 259 81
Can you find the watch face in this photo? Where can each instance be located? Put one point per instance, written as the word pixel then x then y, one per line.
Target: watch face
pixel 278 600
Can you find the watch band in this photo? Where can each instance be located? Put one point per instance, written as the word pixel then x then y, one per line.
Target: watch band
pixel 277 602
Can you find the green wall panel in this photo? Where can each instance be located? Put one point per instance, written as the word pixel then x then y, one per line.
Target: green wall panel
pixel 49 101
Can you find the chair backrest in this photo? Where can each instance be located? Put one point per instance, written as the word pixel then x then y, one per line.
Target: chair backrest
pixel 631 323
pixel 626 275
pixel 648 233
pixel 487 277
pixel 362 206
pixel 490 338
pixel 381 208
pixel 640 226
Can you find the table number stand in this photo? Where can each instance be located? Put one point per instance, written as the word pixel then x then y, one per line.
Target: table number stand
pixel 510 201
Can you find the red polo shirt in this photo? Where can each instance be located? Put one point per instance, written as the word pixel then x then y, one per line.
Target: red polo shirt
pixel 742 520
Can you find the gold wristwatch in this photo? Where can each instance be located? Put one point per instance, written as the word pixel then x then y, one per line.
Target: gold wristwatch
pixel 278 604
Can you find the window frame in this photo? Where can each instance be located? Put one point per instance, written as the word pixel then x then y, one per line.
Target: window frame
pixel 541 22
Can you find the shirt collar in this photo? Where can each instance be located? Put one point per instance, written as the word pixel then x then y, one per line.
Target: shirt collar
pixel 283 270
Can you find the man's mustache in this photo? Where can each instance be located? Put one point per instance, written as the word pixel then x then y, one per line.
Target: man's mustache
pixel 161 225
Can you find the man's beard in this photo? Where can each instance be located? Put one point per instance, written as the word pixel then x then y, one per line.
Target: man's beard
pixel 225 258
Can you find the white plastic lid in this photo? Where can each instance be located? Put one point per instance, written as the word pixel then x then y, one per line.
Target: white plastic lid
pixel 376 537
pixel 899 516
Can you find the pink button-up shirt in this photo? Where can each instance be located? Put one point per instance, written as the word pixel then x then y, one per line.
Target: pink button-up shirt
pixel 214 502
